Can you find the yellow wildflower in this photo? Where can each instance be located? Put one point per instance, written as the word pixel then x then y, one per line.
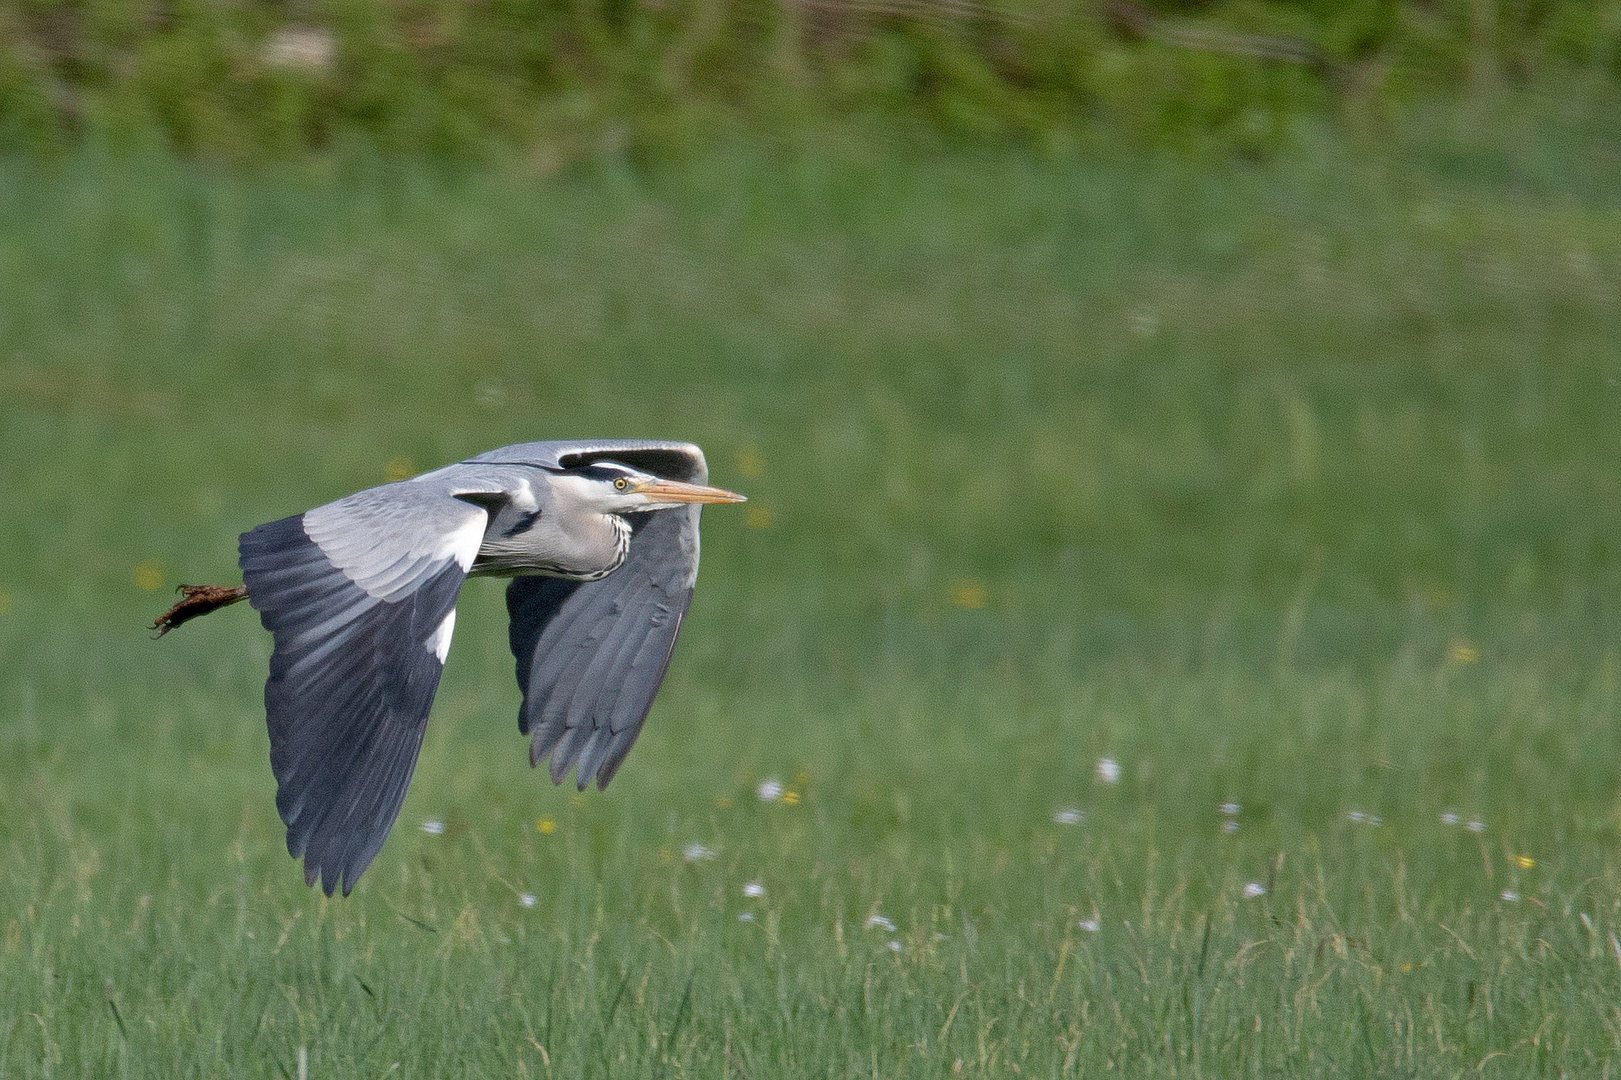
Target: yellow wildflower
pixel 969 593
pixel 148 575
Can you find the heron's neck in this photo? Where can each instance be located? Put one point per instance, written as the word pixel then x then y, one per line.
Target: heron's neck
pixel 580 547
pixel 617 547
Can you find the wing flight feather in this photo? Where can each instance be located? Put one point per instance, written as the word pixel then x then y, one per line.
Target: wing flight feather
pixel 591 655
pixel 358 595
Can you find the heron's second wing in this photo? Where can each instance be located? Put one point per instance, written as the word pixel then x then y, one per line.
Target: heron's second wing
pixel 360 595
pixel 591 655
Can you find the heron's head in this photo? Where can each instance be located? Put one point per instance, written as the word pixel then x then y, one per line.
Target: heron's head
pixel 608 487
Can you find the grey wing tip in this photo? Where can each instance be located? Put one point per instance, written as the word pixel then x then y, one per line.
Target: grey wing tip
pixel 312 874
pixel 330 878
pixel 615 758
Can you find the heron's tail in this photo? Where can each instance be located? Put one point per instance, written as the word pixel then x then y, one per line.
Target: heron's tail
pixel 198 600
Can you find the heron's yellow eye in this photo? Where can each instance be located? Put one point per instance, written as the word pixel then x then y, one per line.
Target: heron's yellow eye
pixel 621 484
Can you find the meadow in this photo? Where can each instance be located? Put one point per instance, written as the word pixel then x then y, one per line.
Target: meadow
pixel 1177 609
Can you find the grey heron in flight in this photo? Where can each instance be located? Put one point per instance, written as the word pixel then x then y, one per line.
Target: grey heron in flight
pixel 600 540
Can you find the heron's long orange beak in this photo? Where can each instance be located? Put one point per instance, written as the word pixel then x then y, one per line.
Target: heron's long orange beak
pixel 675 491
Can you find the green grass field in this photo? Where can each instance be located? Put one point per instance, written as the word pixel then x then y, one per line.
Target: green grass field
pixel 1292 485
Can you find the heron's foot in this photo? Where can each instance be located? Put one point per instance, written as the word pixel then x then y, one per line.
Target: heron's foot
pixel 198 600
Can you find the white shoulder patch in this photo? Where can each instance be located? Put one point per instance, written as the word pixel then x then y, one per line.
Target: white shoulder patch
pixel 463 544
pixel 438 642
pixel 523 497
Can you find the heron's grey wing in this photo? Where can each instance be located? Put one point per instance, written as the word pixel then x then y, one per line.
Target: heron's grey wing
pixel 591 655
pixel 360 595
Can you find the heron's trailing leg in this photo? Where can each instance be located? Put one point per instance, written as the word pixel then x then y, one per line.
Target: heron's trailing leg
pixel 198 600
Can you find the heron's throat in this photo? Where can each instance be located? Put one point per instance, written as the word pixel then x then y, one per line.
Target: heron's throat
pixel 621 548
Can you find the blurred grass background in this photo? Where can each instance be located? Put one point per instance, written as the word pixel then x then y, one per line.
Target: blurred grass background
pixel 552 83
pixel 1271 460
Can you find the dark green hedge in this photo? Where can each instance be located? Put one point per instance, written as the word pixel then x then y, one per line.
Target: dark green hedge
pixel 256 78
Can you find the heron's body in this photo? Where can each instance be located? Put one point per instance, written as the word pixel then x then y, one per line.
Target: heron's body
pixel 601 541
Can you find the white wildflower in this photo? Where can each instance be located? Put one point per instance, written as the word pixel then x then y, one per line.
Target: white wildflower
pixel 1356 817
pixel 526 899
pixel 1476 826
pixel 433 828
pixel 1510 895
pixel 1230 809
pixel 1229 826
pixel 1067 816
pixel 745 916
pixel 894 946
pixel 1450 818
pixel 301 48
pixel 696 852
pixel 770 790
pixel 1108 771
pixel 1254 889
pixel 880 922
pixel 754 890
pixel 1091 926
